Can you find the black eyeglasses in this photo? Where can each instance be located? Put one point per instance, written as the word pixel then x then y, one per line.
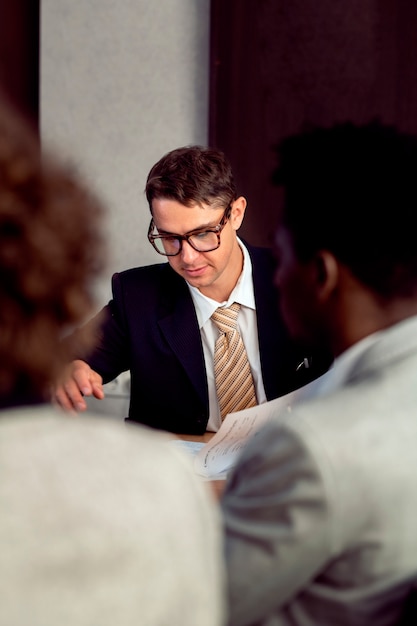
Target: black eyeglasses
pixel 202 240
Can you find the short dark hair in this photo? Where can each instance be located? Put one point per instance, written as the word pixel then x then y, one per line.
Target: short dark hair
pixel 192 175
pixel 353 191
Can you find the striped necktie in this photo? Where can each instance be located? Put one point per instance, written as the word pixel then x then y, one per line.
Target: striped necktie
pixel 234 382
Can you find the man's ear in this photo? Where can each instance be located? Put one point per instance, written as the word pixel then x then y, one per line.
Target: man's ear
pixel 238 212
pixel 327 274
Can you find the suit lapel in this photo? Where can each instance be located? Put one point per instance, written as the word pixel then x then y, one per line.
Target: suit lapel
pixel 272 335
pixel 178 324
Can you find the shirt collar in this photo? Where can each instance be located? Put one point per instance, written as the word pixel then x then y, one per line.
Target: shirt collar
pixel 242 292
pixel 336 376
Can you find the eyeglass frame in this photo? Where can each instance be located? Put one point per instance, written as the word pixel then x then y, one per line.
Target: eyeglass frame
pixel 215 229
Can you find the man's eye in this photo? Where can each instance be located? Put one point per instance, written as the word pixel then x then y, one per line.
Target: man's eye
pixel 169 239
pixel 202 235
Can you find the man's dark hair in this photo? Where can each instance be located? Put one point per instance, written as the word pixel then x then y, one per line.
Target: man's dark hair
pixel 352 190
pixel 192 175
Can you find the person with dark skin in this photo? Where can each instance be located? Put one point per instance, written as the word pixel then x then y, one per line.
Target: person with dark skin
pixel 320 511
pixel 158 324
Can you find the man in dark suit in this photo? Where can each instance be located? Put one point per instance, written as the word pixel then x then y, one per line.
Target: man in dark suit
pixel 320 511
pixel 158 324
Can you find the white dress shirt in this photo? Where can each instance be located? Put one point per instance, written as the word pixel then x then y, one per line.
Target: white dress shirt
pixel 243 294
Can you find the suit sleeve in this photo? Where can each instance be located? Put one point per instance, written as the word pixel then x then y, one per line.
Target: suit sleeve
pixel 277 524
pixel 111 355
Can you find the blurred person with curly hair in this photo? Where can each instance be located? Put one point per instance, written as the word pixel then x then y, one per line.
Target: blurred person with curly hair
pixel 99 525
pixel 50 250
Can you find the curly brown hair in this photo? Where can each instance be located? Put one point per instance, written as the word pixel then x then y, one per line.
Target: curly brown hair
pixel 51 247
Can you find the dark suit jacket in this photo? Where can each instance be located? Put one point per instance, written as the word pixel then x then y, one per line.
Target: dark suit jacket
pixel 150 328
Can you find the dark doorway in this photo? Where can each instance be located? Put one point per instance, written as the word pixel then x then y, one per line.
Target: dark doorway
pixel 19 55
pixel 277 65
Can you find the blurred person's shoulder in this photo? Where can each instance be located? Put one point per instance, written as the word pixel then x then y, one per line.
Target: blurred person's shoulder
pixel 122 498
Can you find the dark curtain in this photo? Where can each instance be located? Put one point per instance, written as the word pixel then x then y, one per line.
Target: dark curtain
pixel 19 55
pixel 276 65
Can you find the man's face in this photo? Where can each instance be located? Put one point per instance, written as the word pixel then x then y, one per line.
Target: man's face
pixel 215 273
pixel 295 283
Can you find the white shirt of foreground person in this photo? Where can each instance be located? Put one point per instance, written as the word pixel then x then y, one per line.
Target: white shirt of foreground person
pixel 102 526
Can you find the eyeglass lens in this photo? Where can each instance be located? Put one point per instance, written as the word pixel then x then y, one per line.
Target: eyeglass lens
pixel 202 242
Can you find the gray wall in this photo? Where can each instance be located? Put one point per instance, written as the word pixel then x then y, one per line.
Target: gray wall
pixel 123 82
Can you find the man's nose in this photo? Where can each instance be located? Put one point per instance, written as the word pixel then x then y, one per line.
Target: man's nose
pixel 188 253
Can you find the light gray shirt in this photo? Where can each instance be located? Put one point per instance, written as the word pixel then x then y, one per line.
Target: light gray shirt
pixel 103 524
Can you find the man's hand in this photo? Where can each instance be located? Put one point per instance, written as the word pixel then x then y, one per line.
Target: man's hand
pixel 78 380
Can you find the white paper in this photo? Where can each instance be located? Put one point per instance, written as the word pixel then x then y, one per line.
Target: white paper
pixel 221 452
pixel 219 455
pixel 191 447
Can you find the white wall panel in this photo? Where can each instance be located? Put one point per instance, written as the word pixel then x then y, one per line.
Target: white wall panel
pixel 123 82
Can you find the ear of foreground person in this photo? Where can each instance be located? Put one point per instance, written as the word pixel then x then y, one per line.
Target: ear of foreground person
pixel 320 511
pixel 101 523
